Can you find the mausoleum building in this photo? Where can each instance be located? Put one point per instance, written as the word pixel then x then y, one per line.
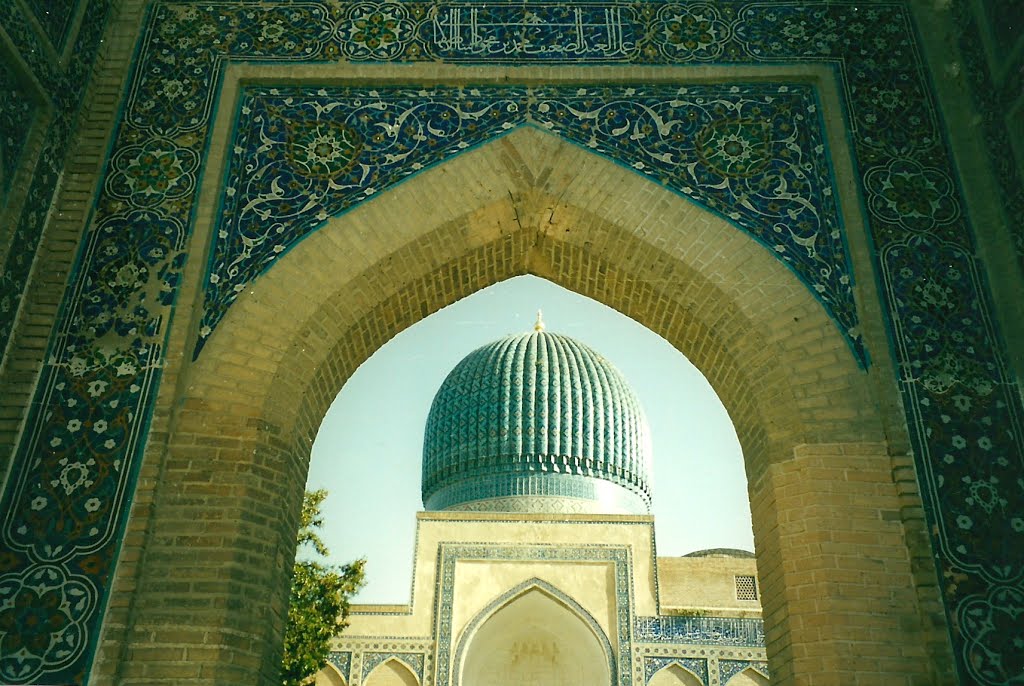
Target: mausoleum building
pixel 535 561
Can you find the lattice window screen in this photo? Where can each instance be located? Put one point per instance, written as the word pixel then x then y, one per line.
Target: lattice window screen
pixel 746 588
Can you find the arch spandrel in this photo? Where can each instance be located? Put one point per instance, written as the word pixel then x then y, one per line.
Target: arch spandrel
pixel 685 273
pixel 392 672
pixel 752 153
pixel 674 675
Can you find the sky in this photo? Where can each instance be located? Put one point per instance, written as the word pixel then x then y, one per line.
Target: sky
pixel 368 450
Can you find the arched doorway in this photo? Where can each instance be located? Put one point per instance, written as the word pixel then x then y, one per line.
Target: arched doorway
pixel 807 417
pixel 534 638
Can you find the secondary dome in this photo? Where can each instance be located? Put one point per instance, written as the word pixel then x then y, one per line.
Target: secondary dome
pixel 536 422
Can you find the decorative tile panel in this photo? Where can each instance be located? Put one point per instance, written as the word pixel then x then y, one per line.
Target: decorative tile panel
pixel 727 669
pixel 75 466
pixel 342 660
pixel 695 665
pixel 753 153
pixel 699 630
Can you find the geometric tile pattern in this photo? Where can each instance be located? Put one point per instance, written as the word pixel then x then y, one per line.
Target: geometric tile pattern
pixel 65 503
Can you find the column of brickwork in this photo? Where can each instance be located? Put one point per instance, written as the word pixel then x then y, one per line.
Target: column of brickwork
pixel 840 605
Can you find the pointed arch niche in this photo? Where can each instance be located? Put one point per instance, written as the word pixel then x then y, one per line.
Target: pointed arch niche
pixel 391 672
pixel 534 634
pixel 748 677
pixel 218 500
pixel 674 675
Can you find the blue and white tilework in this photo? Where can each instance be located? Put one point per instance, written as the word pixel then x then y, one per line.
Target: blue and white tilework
pixel 733 631
pixel 342 661
pixel 695 665
pixel 66 500
pixel 617 556
pixel 727 669
pixel 414 661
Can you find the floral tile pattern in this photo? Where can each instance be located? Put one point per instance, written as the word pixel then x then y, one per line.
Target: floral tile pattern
pixel 753 153
pixel 66 501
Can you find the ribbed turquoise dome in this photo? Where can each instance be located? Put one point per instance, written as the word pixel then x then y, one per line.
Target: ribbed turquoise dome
pixel 536 422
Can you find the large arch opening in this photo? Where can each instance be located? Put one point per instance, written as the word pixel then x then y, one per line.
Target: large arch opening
pixel 375 427
pixel 805 415
pixel 533 638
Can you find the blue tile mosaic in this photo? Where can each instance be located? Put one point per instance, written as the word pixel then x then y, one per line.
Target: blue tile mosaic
pixel 414 661
pixel 342 660
pixel 695 665
pixel 76 462
pixel 753 153
pixel 699 630
pixel 727 669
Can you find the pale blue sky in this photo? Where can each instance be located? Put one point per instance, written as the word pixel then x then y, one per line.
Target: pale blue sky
pixel 367 453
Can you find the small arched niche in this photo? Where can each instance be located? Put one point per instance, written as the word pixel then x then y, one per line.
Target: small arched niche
pixel 328 676
pixel 534 639
pixel 391 673
pixel 748 677
pixel 674 675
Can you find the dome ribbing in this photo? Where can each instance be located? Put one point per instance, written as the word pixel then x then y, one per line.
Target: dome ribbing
pixel 536 422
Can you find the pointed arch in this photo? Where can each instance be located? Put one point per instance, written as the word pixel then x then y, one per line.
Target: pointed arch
pixel 748 677
pixel 329 676
pixel 524 636
pixel 674 675
pixel 242 418
pixel 391 672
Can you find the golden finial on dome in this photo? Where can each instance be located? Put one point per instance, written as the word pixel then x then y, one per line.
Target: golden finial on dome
pixel 539 326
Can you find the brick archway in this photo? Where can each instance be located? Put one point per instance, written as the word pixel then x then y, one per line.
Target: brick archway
pixel 221 504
